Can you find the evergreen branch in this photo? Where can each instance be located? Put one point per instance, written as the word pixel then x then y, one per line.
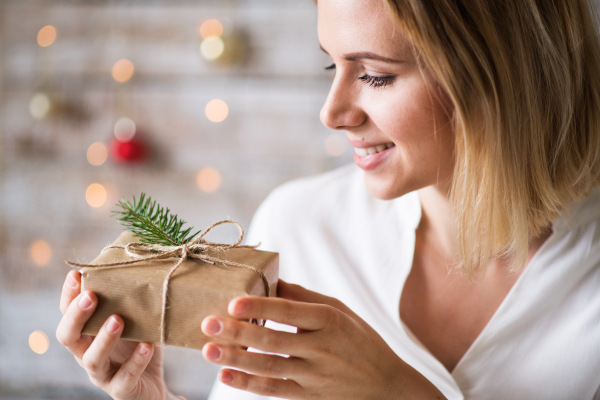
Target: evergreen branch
pixel 152 223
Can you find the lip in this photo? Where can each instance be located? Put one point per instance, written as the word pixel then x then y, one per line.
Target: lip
pixel 370 162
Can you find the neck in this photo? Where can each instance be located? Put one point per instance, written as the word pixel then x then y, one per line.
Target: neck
pixel 437 224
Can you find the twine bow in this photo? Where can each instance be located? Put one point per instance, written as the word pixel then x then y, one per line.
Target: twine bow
pixel 194 249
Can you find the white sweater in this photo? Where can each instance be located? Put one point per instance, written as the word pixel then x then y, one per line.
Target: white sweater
pixel 543 342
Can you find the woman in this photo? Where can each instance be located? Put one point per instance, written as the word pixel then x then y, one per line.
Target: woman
pixel 462 259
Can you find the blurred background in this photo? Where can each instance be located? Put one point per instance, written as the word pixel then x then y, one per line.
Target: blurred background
pixel 205 105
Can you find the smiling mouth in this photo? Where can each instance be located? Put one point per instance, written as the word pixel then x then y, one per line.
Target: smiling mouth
pixel 372 150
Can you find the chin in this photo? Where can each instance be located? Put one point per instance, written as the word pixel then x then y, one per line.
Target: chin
pixel 385 189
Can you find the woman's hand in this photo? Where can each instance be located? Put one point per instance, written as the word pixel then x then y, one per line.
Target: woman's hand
pixel 334 355
pixel 124 369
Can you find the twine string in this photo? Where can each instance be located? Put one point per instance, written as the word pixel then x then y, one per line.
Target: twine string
pixel 194 250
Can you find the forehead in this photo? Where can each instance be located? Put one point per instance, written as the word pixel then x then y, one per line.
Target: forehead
pixel 359 25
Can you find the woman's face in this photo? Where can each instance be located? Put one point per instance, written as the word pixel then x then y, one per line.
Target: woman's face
pixel 388 106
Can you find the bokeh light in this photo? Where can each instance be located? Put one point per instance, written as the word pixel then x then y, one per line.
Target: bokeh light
pixel 38 341
pixel 39 106
pixel 216 110
pixel 123 70
pixel 46 36
pixel 97 153
pixel 124 129
pixel 41 252
pixel 212 48
pixel 182 398
pixel 208 179
pixel 335 144
pixel 211 28
pixel 95 195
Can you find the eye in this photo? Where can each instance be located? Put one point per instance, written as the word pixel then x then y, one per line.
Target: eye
pixel 377 81
pixel 332 66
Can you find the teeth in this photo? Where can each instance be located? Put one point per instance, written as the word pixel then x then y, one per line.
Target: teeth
pixel 361 152
pixel 372 150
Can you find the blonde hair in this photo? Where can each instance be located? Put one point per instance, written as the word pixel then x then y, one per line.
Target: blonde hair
pixel 524 80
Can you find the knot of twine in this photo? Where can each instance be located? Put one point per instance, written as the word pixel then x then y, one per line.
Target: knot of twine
pixel 193 249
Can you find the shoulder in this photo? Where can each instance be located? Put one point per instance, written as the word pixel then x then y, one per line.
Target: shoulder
pixel 329 188
pixel 581 214
pixel 555 304
pixel 568 264
pixel 578 232
pixel 334 206
pixel 313 197
pixel 306 201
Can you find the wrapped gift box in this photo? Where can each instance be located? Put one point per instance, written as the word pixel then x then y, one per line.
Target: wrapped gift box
pixel 196 289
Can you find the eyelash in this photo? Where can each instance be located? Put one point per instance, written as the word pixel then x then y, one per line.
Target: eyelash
pixel 373 81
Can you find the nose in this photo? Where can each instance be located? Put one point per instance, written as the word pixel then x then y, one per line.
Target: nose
pixel 341 109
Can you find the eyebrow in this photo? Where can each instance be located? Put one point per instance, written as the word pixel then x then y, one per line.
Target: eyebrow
pixel 365 55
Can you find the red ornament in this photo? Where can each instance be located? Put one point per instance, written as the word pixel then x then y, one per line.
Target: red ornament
pixel 132 151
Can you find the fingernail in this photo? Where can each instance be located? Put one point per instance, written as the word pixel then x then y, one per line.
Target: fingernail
pixel 213 353
pixel 214 327
pixel 226 376
pixel 71 283
pixel 143 350
pixel 85 302
pixel 113 325
pixel 240 308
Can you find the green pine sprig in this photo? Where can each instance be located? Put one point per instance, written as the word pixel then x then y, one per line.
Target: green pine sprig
pixel 152 223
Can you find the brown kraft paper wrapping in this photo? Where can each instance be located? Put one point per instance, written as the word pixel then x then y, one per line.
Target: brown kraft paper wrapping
pixel 196 289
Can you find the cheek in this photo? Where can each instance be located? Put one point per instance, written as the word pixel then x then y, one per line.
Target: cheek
pixel 410 117
pixel 419 126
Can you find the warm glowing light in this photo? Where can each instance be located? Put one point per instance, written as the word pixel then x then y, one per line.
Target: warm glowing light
pixel 97 153
pixel 125 129
pixel 39 106
pixel 41 252
pixel 38 341
pixel 182 398
pixel 95 195
pixel 122 71
pixel 46 36
pixel 212 48
pixel 209 179
pixel 216 110
pixel 211 28
pixel 335 144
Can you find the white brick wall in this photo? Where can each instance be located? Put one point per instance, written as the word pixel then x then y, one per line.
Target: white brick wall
pixel 271 135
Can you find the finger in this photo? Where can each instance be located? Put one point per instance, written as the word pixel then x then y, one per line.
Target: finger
pixel 71 289
pixel 70 326
pixel 306 316
pixel 96 359
pixel 269 365
pixel 246 334
pixel 298 293
pixel 284 388
pixel 127 377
